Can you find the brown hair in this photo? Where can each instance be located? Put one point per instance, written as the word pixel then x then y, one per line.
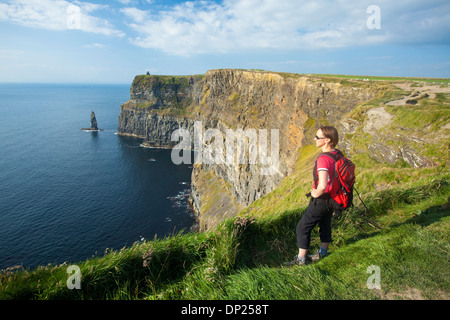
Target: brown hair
pixel 330 133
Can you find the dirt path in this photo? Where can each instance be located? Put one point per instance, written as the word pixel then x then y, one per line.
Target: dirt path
pixel 379 117
pixel 417 92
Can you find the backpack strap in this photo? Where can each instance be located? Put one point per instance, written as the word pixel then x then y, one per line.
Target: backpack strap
pixel 335 157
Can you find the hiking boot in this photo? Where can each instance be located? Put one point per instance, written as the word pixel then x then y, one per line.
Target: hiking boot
pixel 297 261
pixel 317 256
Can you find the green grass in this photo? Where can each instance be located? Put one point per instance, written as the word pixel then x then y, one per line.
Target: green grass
pixel 405 233
pixel 386 78
pixel 386 93
pixel 164 79
pixel 432 112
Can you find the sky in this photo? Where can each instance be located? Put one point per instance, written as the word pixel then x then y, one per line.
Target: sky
pixel 62 41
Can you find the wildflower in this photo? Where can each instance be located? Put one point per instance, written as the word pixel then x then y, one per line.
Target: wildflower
pixel 147 258
pixel 242 223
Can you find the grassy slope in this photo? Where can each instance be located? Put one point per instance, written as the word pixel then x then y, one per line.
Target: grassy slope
pixel 405 233
pixel 382 78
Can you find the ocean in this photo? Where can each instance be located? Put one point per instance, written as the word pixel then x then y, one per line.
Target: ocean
pixel 67 195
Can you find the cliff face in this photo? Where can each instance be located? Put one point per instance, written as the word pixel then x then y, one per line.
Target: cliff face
pixel 281 110
pixel 148 94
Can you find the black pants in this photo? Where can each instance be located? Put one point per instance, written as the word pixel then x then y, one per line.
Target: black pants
pixel 318 212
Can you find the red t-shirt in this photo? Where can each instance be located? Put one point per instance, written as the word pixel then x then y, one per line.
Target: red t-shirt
pixel 325 163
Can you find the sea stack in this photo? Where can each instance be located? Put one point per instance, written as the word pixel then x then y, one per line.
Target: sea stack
pixel 94 126
pixel 93 121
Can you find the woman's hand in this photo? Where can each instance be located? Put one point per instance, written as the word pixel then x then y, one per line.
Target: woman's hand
pixel 317 193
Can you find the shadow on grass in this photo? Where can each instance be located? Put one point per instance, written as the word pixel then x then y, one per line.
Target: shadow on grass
pixel 268 242
pixel 271 241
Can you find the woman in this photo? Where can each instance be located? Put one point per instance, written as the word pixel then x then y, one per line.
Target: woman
pixel 319 211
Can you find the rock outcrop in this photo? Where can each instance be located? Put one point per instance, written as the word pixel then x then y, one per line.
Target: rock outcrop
pixel 274 109
pixel 94 126
pixel 93 121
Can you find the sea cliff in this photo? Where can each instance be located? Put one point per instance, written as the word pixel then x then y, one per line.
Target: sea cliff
pixel 244 101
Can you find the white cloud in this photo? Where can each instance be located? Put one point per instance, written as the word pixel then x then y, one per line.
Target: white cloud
pixel 56 15
pixel 236 25
pixel 135 14
pixel 93 45
pixel 125 2
pixel 208 26
pixel 205 26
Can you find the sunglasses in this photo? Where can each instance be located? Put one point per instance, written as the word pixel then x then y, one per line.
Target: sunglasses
pixel 318 138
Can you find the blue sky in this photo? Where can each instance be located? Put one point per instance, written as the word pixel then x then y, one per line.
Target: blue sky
pixel 112 41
